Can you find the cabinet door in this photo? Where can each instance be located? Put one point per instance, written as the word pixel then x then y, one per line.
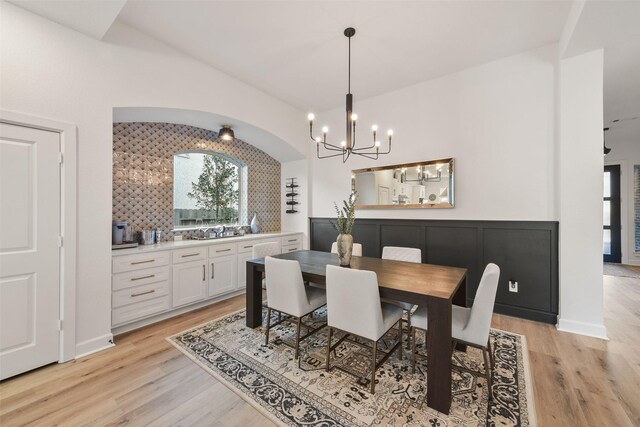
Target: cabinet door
pixel 222 275
pixel 189 282
pixel 242 269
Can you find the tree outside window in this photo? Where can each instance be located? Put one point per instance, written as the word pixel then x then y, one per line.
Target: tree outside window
pixel 207 189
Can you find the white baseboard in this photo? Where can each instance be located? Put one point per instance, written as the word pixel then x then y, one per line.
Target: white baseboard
pixel 94 345
pixel 582 328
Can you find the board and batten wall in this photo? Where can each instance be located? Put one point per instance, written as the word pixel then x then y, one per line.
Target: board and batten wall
pixel 500 121
pixel 526 251
pixel 50 71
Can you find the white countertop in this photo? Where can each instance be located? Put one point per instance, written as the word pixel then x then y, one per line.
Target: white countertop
pixel 179 244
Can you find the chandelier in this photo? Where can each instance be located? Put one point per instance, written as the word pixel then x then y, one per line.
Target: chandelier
pixel 348 146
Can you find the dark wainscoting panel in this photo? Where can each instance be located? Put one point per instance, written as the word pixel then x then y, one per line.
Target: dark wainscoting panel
pixel 526 251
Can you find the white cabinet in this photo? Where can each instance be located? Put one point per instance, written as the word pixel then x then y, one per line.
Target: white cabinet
pixel 222 275
pixel 242 268
pixel 140 261
pixel 187 255
pixel 189 282
pixel 291 248
pixel 158 281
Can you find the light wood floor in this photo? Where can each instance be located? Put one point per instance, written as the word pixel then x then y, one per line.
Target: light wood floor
pixel 578 381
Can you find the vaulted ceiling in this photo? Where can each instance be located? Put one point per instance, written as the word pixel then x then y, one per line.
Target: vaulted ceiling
pixel 296 50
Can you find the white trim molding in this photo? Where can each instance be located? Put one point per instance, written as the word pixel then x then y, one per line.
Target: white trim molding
pixel 68 216
pixel 582 328
pixel 94 345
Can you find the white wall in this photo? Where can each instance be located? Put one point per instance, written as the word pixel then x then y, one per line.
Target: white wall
pixel 50 71
pixel 496 120
pixel 524 150
pixel 299 221
pixel 626 153
pixel 580 201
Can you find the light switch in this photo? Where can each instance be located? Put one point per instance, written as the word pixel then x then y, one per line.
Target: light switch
pixel 513 286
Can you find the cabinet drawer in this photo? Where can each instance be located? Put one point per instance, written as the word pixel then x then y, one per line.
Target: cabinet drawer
pixel 291 248
pixel 139 293
pixel 222 250
pixel 139 310
pixel 140 277
pixel 248 246
pixel 189 254
pixel 292 240
pixel 140 261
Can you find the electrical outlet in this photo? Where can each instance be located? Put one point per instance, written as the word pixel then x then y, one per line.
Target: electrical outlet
pixel 513 286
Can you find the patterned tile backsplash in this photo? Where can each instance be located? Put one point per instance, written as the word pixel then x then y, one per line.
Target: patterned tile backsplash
pixel 143 174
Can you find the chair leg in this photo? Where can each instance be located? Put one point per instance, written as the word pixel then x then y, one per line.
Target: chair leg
pixel 279 316
pixel 266 341
pixel 328 348
pixel 409 329
pixel 491 360
pixel 373 366
pixel 454 343
pixel 413 349
pixel 298 336
pixel 400 338
pixel 487 370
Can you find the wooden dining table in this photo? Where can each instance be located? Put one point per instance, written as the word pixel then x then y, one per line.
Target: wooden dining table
pixel 435 286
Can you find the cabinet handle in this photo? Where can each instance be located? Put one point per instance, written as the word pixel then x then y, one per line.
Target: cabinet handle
pixel 204 272
pixel 292 250
pixel 188 255
pixel 149 276
pixel 292 240
pixel 142 262
pixel 247 247
pixel 212 271
pixel 143 293
pixel 224 250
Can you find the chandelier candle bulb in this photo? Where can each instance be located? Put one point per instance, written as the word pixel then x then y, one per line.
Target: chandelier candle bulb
pixel 311 116
pixel 325 129
pixel 354 117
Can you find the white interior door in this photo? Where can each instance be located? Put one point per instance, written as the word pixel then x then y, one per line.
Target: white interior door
pixel 29 248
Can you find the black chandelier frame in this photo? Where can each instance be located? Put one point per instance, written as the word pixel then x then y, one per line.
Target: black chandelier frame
pixel 348 146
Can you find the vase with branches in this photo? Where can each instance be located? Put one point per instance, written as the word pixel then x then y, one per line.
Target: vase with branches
pixel 345 217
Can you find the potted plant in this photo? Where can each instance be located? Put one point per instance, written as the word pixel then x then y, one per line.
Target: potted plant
pixel 344 222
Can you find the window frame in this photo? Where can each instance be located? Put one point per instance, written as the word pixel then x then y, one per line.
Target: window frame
pixel 242 187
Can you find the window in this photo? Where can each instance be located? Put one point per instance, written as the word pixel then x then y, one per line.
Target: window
pixel 208 188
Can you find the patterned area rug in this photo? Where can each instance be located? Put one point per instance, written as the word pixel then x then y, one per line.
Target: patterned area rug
pixel 269 378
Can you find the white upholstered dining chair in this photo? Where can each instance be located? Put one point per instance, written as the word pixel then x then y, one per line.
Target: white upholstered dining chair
pixel 354 307
pixel 397 253
pixel 286 293
pixel 261 250
pixel 357 249
pixel 470 326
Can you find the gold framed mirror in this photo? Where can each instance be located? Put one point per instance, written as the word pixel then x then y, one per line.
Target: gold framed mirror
pixel 419 185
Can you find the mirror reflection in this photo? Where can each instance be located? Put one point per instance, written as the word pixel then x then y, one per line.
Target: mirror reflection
pixel 426 184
